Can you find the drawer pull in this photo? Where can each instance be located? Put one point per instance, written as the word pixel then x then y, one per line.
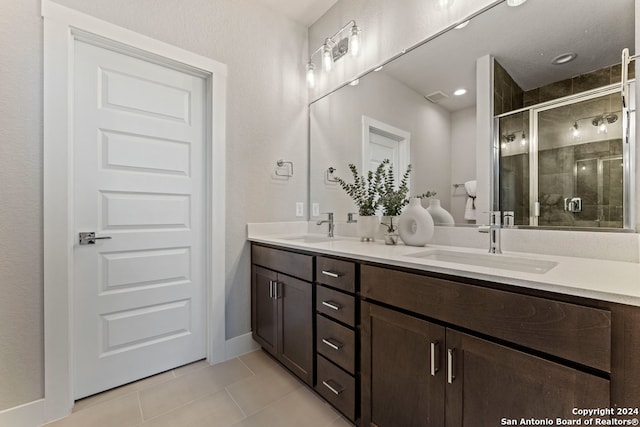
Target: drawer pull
pixel 334 387
pixel 331 274
pixel 435 362
pixel 332 305
pixel 451 375
pixel 336 345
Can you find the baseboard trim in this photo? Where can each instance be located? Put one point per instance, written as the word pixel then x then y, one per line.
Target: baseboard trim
pixel 28 415
pixel 240 345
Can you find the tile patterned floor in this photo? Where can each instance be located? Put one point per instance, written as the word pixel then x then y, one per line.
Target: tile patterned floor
pixel 249 391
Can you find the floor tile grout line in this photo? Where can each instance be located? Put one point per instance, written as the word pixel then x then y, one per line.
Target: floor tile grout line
pixel 244 414
pixel 247 366
pixel 140 407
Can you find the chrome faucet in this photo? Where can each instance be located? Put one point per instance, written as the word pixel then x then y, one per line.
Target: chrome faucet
pixel 494 232
pixel 329 221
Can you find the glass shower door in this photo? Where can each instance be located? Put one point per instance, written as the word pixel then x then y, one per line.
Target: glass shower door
pixel 576 159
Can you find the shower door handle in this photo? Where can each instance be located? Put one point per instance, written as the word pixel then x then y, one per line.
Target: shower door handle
pixel 573 204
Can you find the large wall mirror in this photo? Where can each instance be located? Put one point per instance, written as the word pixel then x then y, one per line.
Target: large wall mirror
pixel 408 111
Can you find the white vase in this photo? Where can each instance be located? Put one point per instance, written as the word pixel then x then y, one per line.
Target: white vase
pixel 439 214
pixel 415 225
pixel 368 228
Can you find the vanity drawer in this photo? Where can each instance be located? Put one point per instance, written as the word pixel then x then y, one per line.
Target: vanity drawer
pixel 337 305
pixel 336 342
pixel 338 387
pixel 293 264
pixel 336 273
pixel 573 332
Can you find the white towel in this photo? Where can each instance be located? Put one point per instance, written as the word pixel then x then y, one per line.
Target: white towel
pixel 470 209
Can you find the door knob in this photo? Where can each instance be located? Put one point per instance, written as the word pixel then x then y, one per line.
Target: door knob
pixel 89 238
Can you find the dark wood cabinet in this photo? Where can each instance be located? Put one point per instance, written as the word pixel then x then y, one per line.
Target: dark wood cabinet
pixel 417 373
pixel 489 382
pixel 390 346
pixel 403 375
pixel 282 311
pixel 336 334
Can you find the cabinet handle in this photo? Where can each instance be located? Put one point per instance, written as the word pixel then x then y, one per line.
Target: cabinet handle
pixel 435 358
pixel 271 289
pixel 336 345
pixel 335 388
pixel 451 375
pixel 332 305
pixel 331 273
pixel 276 289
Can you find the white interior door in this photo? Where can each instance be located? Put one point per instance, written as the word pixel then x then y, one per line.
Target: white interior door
pixel 139 170
pixel 381 141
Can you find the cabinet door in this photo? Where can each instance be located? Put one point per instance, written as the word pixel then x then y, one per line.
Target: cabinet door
pixel 403 370
pixel 264 308
pixel 295 326
pixel 490 383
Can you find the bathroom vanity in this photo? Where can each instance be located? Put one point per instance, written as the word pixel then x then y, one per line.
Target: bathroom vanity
pixel 395 340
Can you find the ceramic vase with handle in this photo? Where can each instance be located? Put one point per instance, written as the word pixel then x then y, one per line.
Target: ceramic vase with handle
pixel 415 225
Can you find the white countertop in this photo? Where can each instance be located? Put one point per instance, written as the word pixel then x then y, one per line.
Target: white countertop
pixel 613 281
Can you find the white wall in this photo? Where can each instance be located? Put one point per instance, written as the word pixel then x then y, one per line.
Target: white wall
pixel 336 138
pixel 21 272
pixel 463 158
pixel 266 120
pixel 388 27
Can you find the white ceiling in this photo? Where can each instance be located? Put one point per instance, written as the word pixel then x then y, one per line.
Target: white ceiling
pixel 524 40
pixel 304 11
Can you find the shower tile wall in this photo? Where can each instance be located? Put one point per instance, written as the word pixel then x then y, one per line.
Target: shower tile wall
pixel 507 95
pixel 577 84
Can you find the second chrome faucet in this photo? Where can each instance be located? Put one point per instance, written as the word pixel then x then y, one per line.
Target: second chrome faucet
pixel 329 221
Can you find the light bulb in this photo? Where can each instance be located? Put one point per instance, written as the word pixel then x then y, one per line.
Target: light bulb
pixel 602 127
pixel 503 145
pixel 523 140
pixel 327 56
pixel 575 132
pixel 354 40
pixel 311 75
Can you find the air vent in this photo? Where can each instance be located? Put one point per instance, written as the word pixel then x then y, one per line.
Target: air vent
pixel 436 97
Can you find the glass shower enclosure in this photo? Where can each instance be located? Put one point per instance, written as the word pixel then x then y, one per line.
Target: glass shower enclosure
pixel 562 162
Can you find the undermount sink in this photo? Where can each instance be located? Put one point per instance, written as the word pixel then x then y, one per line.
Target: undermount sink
pixel 311 238
pixel 503 262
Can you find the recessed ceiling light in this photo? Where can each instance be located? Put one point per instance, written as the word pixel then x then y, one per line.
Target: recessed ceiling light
pixel 462 25
pixel 354 82
pixel 460 92
pixel 515 2
pixel 564 58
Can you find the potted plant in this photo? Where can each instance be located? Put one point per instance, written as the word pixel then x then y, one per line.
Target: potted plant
pixel 365 193
pixel 393 199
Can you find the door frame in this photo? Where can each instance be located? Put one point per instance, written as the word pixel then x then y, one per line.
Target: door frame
pixel 402 137
pixel 62 26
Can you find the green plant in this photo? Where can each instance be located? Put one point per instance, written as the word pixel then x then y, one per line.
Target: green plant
pixel 365 192
pixel 393 199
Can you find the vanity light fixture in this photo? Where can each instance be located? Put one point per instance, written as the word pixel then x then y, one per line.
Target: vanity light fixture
pixel 601 122
pixel 334 48
pixel 511 137
pixel 515 3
